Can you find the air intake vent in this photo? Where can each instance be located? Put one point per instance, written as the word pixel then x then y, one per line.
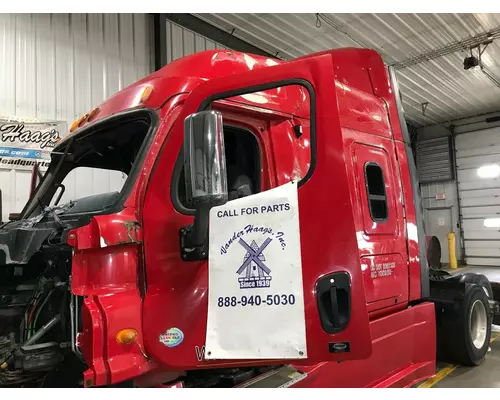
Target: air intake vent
pixel 434 160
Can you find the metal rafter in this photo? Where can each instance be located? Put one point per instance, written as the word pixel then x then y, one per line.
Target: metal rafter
pixel 454 47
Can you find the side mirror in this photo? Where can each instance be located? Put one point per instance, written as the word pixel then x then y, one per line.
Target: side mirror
pixel 206 179
pixel 204 159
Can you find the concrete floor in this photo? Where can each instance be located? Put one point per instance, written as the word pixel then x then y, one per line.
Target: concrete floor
pixel 485 375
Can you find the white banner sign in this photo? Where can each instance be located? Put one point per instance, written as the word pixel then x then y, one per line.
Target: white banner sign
pixel 25 142
pixel 256 296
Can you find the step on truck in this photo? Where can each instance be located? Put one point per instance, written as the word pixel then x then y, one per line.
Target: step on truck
pixel 268 233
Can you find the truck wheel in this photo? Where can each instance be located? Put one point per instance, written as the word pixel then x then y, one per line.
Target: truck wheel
pixel 466 331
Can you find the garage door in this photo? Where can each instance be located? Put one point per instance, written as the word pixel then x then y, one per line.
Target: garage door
pixel 478 173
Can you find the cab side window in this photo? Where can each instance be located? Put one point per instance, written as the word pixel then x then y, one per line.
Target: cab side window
pixel 375 187
pixel 375 190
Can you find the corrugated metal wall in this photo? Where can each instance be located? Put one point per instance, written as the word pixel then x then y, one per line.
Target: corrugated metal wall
pixel 182 42
pixel 59 66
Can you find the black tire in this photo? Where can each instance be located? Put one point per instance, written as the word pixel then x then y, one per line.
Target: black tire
pixel 434 253
pixel 455 342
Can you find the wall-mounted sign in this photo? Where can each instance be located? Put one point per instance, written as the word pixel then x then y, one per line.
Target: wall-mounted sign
pixel 23 142
pixel 440 196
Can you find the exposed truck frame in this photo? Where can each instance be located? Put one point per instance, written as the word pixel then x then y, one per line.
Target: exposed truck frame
pixel 94 287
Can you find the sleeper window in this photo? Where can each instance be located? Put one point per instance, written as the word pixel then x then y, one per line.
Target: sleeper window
pixel 375 186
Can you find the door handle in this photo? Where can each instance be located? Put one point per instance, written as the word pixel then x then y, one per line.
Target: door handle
pixel 335 317
pixel 333 293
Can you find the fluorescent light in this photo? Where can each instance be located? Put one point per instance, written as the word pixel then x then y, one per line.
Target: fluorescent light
pixel 492 223
pixel 488 171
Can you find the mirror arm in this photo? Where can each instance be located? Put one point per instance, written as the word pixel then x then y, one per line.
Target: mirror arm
pixel 200 226
pixel 194 238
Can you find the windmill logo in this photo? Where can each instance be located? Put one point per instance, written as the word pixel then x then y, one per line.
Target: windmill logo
pixel 253 272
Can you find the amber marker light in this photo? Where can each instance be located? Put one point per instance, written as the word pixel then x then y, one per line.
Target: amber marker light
pixel 75 124
pixel 146 92
pixel 126 336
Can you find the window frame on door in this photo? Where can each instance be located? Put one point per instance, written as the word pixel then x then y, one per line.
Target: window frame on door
pixel 206 105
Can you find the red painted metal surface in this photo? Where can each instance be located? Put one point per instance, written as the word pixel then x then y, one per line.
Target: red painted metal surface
pixel 185 284
pixel 105 271
pixel 356 118
pixel 183 75
pixel 404 349
pixel 382 245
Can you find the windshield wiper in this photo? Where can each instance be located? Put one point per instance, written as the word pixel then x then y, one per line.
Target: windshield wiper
pixel 49 212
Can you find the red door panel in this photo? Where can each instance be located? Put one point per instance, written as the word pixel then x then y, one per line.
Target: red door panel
pixel 177 291
pixel 382 244
pixel 385 277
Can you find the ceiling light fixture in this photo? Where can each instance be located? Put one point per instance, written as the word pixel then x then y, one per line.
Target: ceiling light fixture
pixel 471 62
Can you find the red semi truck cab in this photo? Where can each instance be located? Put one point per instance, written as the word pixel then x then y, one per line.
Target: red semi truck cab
pixel 206 140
